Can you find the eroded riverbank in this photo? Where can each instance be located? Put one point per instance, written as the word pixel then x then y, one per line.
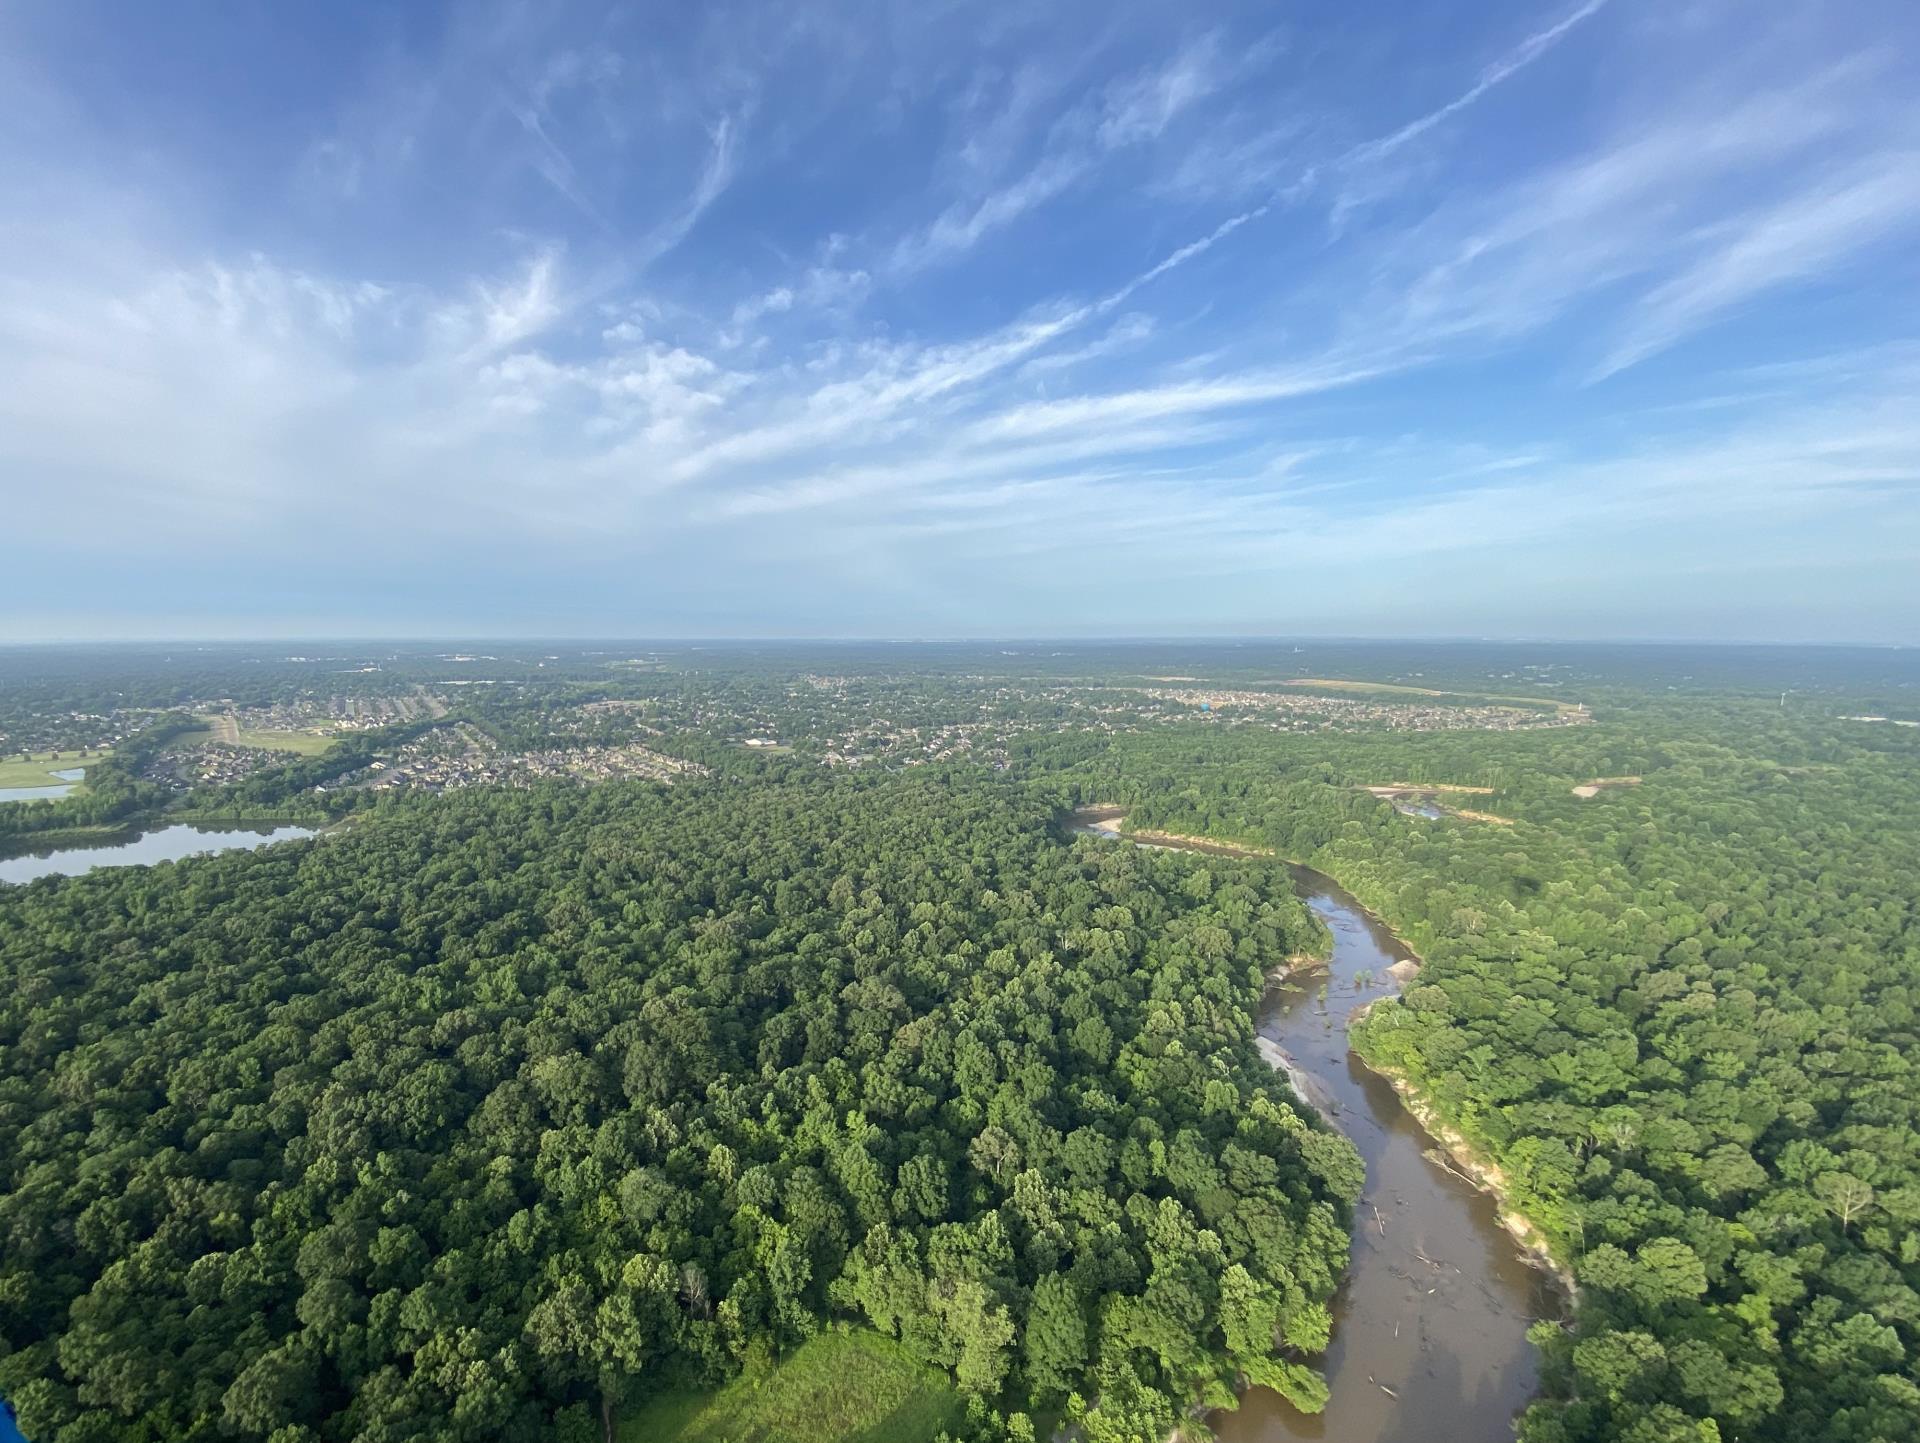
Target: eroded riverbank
pixel 1429 1338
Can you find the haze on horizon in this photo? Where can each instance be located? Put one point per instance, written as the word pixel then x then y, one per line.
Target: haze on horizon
pixel 1581 320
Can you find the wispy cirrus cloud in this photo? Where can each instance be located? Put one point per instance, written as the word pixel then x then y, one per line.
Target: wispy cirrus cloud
pixel 957 318
pixel 1133 110
pixel 1804 236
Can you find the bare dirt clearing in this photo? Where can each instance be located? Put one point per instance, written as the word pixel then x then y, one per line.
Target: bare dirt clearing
pixel 1601 784
pixel 1423 800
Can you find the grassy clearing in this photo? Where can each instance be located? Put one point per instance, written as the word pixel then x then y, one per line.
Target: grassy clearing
pixel 305 743
pixel 1320 683
pixel 222 728
pixel 1467 816
pixel 854 1387
pixel 38 771
pixel 220 724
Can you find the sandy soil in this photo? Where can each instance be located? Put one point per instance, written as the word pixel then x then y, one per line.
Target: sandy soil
pixel 1600 784
pixel 1429 787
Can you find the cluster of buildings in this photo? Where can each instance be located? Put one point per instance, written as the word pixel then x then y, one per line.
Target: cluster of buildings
pixel 857 721
pixel 462 755
pixel 336 713
pixel 1304 711
pixel 606 764
pixel 210 764
pixel 70 731
pixel 913 746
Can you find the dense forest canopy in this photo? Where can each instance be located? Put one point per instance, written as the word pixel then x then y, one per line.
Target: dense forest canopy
pixel 505 1106
pixel 1682 1017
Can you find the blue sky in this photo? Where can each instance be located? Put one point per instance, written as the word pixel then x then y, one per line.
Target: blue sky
pixel 1578 319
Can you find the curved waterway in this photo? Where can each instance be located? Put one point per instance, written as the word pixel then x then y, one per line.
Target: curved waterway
pixel 1429 1337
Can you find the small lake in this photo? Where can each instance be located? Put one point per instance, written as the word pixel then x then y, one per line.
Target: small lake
pixel 1429 1334
pixel 33 794
pixel 68 779
pixel 165 844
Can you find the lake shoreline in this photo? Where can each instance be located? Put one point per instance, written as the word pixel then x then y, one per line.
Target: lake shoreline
pixel 173 841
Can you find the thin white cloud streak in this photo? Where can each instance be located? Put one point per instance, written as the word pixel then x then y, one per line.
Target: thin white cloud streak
pixel 962 226
pixel 944 474
pixel 1862 455
pixel 715 176
pixel 1184 254
pixel 1142 108
pixel 1126 334
pixel 1129 113
pixel 1802 237
pixel 898 378
pixel 1495 266
pixel 1088 413
pixel 1507 66
pixel 554 165
pixel 1239 159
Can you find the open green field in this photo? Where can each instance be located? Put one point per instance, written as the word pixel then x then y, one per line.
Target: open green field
pixel 192 737
pixel 855 1387
pixel 38 772
pixel 305 743
pixel 220 727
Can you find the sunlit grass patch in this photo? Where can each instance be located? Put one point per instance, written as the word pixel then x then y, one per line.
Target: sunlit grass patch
pixel 852 1387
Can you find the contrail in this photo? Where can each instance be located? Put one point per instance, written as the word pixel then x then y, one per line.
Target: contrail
pixel 1515 60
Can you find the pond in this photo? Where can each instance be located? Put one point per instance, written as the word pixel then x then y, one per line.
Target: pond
pixel 33 794
pixel 67 779
pixel 165 844
pixel 1429 1336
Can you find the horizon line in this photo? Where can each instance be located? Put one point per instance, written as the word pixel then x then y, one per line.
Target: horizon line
pixel 856 639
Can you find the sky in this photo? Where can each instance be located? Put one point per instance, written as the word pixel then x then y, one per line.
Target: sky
pixel 1592 319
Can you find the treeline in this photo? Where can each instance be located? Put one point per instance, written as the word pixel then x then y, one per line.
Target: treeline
pixel 512 1106
pixel 1684 1018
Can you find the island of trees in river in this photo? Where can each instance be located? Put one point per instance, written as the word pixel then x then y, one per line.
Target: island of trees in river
pixel 535 1111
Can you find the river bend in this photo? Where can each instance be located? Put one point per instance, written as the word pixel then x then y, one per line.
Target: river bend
pixel 1429 1337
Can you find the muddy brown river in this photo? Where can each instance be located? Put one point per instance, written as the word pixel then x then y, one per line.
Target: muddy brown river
pixel 1429 1337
